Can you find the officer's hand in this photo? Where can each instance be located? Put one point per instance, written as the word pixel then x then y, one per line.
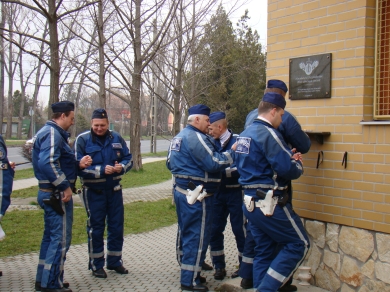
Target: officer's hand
pixel 12 164
pixel 297 156
pixel 109 169
pixel 85 162
pixel 234 146
pixel 67 195
pixel 118 167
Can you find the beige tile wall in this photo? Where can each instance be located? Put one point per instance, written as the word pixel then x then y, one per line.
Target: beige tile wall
pixel 360 194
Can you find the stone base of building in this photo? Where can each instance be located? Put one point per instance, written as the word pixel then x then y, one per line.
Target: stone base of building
pixel 347 259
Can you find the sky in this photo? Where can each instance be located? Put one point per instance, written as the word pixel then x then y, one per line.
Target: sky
pixel 258 16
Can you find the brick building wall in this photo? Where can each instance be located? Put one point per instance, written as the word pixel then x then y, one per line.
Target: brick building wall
pixel 359 195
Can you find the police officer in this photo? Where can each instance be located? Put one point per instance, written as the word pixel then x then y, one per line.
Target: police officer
pixel 196 167
pixel 266 165
pixel 102 192
pixel 55 167
pixel 227 201
pixel 6 179
pixel 296 138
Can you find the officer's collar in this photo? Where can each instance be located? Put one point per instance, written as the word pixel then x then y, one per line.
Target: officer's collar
pixel 102 137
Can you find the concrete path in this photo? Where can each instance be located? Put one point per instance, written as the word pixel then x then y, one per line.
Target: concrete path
pixel 150 258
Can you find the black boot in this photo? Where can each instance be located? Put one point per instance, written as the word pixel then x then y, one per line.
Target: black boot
pixel 120 270
pixel 288 288
pixel 56 289
pixel 219 274
pixel 101 273
pixel 198 287
pixel 206 267
pixel 246 283
pixel 235 274
pixel 38 285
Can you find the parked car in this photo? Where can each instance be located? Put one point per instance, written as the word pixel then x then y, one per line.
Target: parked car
pixel 27 150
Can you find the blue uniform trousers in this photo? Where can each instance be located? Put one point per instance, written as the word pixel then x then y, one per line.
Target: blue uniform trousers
pixel 193 236
pixel 246 267
pixel 228 201
pixel 102 205
pixel 55 243
pixel 271 269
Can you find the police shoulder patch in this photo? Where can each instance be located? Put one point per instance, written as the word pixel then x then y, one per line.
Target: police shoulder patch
pixel 2 153
pixel 175 144
pixel 116 145
pixel 243 145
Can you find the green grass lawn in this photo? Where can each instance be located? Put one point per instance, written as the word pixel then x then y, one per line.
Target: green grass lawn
pixel 24 229
pixel 152 173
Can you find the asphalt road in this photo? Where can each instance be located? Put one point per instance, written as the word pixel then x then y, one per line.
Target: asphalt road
pixel 14 153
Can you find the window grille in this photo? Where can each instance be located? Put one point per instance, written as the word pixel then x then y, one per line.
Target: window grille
pixel 382 61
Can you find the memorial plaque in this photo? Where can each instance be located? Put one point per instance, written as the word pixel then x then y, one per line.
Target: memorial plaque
pixel 310 77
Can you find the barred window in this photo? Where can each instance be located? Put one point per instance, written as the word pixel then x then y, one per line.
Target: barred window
pixel 382 61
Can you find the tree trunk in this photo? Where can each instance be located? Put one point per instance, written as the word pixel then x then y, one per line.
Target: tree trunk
pixel 54 56
pixel 135 138
pixel 179 73
pixel 2 65
pixel 10 83
pixel 23 95
pixel 102 79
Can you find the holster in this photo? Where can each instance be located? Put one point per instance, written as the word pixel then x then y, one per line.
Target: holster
pixel 55 202
pixel 282 198
pixel 195 193
pixel 268 203
pixel 249 203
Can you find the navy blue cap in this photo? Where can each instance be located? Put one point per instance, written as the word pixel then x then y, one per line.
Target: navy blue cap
pixel 275 83
pixel 199 109
pixel 275 98
pixel 99 113
pixel 62 107
pixel 216 116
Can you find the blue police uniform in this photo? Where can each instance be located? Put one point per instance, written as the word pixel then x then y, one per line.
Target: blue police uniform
pixel 227 201
pixel 55 167
pixel 192 157
pixel 6 179
pixel 102 195
pixel 264 162
pixel 295 137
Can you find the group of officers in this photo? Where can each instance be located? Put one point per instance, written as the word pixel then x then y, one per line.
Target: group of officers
pixel 100 157
pixel 216 174
pixel 248 176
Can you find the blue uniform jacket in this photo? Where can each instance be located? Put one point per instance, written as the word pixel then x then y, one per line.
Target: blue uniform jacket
pixel 264 160
pixel 192 156
pixel 230 174
pixel 6 179
pixel 103 152
pixel 290 129
pixel 53 159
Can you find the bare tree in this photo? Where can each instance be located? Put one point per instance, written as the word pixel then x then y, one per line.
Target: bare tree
pixel 52 11
pixel 135 32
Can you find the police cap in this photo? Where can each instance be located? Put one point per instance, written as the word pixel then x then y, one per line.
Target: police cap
pixel 199 109
pixel 62 107
pixel 275 83
pixel 99 113
pixel 275 98
pixel 216 116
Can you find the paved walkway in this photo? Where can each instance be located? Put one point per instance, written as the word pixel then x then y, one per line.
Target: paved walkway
pixel 150 258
